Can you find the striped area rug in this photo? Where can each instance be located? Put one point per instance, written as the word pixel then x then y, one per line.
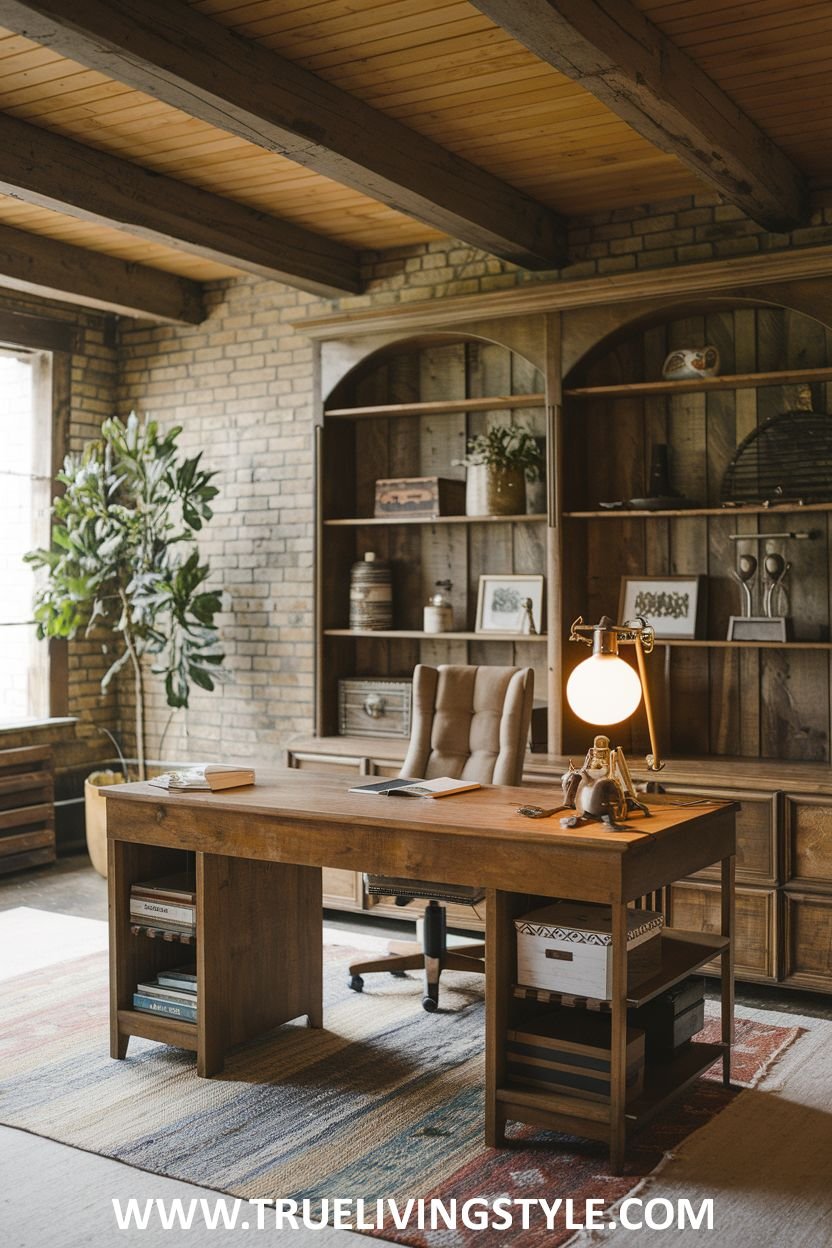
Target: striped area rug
pixel 384 1102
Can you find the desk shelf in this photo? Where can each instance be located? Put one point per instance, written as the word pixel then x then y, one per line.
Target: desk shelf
pixel 174 1031
pixel 682 954
pixel 664 1081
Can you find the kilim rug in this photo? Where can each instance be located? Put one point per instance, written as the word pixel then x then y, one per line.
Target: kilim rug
pixel 384 1102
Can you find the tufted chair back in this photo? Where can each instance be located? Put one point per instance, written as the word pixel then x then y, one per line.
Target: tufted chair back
pixel 470 723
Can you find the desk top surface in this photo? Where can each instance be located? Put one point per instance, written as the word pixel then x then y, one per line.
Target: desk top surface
pixel 488 812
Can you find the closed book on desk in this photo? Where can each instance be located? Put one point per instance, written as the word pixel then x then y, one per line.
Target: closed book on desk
pixel 205 777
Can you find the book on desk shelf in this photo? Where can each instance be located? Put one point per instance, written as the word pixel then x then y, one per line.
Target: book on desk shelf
pixel 168 902
pixel 172 994
pixel 442 786
pixel 204 778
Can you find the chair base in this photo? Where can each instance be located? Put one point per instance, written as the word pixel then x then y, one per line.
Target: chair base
pixel 433 957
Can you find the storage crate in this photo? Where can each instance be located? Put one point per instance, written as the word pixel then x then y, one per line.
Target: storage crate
pixel 567 947
pixel 570 1052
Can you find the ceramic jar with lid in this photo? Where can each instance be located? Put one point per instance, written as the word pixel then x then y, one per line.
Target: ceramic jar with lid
pixel 371 593
pixel 438 614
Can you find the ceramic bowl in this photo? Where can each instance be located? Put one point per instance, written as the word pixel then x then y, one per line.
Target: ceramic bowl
pixel 688 363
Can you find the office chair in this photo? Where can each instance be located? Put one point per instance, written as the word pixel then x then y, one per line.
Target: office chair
pixel 471 723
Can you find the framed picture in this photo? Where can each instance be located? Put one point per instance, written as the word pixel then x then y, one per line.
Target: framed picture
pixel 674 605
pixel 500 606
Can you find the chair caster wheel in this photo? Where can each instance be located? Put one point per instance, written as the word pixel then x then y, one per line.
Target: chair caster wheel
pixel 356 983
pixel 399 974
pixel 430 1004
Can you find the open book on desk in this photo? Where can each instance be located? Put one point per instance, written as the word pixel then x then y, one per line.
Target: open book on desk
pixel 442 786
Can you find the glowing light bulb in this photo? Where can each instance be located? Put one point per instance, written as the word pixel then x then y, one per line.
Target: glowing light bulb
pixel 603 690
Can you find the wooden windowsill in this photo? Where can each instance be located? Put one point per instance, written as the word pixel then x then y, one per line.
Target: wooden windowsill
pixel 35 724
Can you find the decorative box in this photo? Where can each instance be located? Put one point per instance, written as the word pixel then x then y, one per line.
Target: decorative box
pixel 420 496
pixel 374 707
pixel 570 1052
pixel 671 1020
pixel 567 947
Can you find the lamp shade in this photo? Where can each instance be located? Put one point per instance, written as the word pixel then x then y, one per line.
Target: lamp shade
pixel 603 690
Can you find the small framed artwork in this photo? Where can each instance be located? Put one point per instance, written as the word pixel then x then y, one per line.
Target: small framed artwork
pixel 502 604
pixel 673 605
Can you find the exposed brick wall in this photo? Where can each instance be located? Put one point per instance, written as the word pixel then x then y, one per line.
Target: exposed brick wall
pixel 242 386
pixel 80 746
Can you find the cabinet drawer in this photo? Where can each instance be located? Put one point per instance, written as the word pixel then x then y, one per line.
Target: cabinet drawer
pixel 696 907
pixel 808 943
pixel 384 768
pixel 757 823
pixel 809 841
pixel 335 764
pixel 343 890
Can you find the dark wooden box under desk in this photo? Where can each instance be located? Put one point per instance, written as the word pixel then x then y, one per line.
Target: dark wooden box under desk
pixel 259 853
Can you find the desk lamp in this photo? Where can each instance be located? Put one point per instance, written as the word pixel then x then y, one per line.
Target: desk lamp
pixel 604 690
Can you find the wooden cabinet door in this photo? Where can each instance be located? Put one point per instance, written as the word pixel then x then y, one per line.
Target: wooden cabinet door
pixel 809 842
pixel 808 941
pixel 695 907
pixel 343 890
pixel 758 821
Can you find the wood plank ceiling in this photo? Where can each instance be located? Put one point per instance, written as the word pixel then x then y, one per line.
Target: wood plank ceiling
pixel 445 70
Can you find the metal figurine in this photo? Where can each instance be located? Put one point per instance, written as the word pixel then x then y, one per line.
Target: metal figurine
pixel 528 626
pixel 745 573
pixel 776 569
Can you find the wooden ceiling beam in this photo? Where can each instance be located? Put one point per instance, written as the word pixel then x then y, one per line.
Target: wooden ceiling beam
pixel 44 168
pixel 174 53
pixel 612 50
pixel 43 266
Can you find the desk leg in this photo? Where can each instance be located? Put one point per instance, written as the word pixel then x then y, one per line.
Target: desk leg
pixel 499 972
pixel 618 1054
pixel 259 951
pixel 121 990
pixel 727 963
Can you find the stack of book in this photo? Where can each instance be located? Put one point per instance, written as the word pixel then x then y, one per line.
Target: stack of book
pixel 165 907
pixel 171 993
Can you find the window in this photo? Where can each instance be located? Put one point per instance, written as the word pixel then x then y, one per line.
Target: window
pixel 25 496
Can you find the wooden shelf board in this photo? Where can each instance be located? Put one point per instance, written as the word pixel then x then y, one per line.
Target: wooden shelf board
pixel 553 1103
pixel 156 1027
pixel 681 512
pixel 364 521
pixel 682 953
pixel 154 932
pixel 730 381
pixel 714 644
pixel 439 407
pixel 417 634
pixel 664 1081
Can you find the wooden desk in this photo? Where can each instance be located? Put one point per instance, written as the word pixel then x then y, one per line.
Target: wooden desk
pixel 259 853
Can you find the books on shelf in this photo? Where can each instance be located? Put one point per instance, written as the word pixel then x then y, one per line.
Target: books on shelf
pixel 172 994
pixel 168 904
pixel 204 777
pixel 442 786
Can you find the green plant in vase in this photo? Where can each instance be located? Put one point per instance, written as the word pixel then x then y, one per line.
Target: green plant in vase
pixel 498 463
pixel 124 560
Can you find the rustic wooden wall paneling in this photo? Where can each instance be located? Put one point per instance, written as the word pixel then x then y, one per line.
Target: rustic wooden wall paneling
pixel 444 554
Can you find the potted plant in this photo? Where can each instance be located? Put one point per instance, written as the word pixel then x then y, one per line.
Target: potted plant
pixel 498 463
pixel 124 563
